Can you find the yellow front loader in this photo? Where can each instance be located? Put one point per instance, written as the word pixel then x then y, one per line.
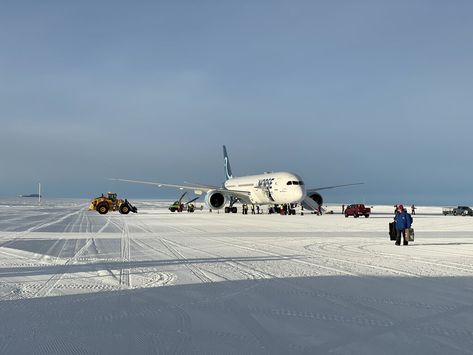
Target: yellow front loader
pixel 103 204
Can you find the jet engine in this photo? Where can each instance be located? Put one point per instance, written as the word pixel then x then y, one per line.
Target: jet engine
pixel 215 200
pixel 317 198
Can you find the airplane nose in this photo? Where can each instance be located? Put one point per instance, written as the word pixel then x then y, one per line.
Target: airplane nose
pixel 301 193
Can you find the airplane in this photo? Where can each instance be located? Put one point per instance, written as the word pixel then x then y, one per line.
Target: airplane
pixel 272 188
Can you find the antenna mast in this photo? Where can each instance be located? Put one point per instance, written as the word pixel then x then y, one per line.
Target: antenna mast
pixel 39 193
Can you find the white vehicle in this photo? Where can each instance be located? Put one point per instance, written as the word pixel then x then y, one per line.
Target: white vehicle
pixel 457 211
pixel 275 188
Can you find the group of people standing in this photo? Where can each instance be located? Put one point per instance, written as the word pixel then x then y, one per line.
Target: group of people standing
pixel 403 221
pixel 244 209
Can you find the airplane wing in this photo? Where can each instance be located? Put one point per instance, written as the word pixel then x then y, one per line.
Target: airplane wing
pixel 309 191
pixel 188 186
pixel 198 189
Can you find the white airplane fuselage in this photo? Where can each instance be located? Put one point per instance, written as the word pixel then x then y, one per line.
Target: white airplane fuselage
pixel 270 188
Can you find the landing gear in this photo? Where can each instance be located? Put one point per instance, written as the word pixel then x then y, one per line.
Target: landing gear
pixel 231 210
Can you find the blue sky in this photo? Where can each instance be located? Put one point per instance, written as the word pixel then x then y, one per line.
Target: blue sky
pixel 336 91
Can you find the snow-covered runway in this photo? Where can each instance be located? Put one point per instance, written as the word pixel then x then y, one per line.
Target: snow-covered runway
pixel 73 281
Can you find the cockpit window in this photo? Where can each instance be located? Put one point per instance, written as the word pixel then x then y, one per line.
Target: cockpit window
pixel 289 183
pixel 301 182
pixel 295 182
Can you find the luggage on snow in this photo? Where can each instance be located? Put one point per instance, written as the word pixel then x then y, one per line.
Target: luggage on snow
pixel 410 234
pixel 392 231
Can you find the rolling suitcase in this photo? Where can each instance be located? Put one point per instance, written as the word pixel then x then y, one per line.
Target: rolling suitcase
pixel 410 234
pixel 392 231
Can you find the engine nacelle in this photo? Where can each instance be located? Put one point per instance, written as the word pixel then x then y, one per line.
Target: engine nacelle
pixel 215 200
pixel 317 198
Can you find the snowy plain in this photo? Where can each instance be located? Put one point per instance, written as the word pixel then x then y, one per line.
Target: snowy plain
pixel 156 282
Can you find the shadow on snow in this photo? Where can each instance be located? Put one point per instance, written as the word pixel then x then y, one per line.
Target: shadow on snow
pixel 308 315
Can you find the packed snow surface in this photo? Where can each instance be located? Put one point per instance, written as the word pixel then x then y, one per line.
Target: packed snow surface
pixel 156 282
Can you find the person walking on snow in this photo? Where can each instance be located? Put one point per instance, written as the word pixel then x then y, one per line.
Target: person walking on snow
pixel 403 223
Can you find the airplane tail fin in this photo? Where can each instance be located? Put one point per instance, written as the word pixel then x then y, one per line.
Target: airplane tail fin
pixel 226 162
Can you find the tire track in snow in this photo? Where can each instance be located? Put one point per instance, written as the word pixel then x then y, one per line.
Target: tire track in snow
pixel 335 299
pixel 124 274
pixel 325 317
pixel 294 288
pixel 434 282
pixel 357 263
pixel 51 221
pixel 197 272
pixel 362 251
pixel 438 263
pixel 158 278
pixel 454 309
pixel 292 260
pixel 249 272
pixel 125 255
pixel 26 289
pixel 54 280
pixel 61 346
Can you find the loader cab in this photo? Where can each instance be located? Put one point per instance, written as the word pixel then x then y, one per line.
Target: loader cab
pixel 112 196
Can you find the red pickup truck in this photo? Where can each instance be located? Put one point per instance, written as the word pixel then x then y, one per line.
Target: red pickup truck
pixel 357 210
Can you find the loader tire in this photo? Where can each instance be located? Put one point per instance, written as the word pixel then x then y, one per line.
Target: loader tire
pixel 102 208
pixel 124 209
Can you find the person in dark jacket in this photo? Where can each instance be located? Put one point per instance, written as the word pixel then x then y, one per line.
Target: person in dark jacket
pixel 403 222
